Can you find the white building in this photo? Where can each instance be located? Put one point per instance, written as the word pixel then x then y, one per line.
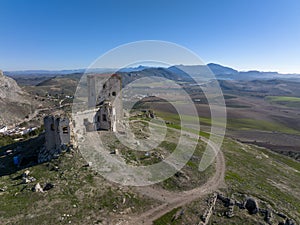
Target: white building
pixel 3 129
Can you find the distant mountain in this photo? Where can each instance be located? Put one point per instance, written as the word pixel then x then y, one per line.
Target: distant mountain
pixel 132 69
pixel 128 77
pixel 44 73
pixel 227 73
pixel 180 72
pixel 221 70
pixel 203 71
pixel 254 74
pixel 193 71
pixel 51 73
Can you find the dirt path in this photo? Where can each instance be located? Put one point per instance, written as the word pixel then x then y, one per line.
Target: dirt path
pixel 174 200
pixel 37 111
pixel 34 114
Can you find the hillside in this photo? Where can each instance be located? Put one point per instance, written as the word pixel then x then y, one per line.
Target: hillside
pixel 9 89
pixel 79 195
pixel 15 104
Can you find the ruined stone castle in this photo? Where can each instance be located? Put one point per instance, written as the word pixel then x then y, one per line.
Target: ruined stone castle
pixel 57 137
pixel 104 103
pixel 104 113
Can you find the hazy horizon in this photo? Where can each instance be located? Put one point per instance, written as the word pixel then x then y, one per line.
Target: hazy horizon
pixel 112 68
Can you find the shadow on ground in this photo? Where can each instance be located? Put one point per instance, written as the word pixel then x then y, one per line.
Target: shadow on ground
pixel 27 152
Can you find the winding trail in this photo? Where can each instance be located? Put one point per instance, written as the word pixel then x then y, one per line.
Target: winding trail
pixel 172 200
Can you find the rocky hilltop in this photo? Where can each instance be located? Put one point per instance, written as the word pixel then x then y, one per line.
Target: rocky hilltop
pixel 9 88
pixel 15 104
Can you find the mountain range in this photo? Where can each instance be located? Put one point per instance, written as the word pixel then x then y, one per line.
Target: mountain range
pixel 183 71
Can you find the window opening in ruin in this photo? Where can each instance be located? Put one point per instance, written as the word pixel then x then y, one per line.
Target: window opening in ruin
pixel 104 86
pixel 104 117
pixel 65 130
pixel 52 127
pixel 114 93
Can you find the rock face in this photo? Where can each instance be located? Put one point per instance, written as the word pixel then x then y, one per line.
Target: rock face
pixel 9 88
pixel 15 104
pixel 251 205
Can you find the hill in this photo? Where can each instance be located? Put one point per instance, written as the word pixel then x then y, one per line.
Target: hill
pixel 82 196
pixel 15 104
pixel 179 72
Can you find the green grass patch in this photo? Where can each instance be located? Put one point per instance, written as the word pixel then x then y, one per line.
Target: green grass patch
pixel 284 100
pixel 253 124
pixel 175 118
pixel 233 176
pixel 263 174
pixel 232 123
pixel 167 219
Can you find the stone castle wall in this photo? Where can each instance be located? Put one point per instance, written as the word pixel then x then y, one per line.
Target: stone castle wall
pixel 104 94
pixel 57 137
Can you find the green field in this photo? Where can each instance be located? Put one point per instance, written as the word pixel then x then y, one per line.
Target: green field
pixel 284 100
pixel 232 123
pixel 262 125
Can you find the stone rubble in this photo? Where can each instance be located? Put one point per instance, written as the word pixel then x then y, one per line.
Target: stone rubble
pixel 208 212
pixel 251 205
pixel 48 186
pixel 37 188
pixel 26 179
pixel 3 189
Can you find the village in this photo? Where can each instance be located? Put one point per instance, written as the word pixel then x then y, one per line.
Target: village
pixel 4 130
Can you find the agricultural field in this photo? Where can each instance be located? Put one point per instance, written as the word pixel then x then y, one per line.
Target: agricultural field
pixel 285 101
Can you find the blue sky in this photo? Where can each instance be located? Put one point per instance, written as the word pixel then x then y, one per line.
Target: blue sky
pixel 58 34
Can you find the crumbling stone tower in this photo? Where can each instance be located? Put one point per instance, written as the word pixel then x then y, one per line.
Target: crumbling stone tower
pixel 57 137
pixel 104 95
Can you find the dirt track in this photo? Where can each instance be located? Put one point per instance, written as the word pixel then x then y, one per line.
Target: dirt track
pixel 173 200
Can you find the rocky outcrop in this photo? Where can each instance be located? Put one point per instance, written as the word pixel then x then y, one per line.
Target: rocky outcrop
pixel 15 104
pixel 48 186
pixel 26 178
pixel 37 188
pixel 9 89
pixel 251 205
